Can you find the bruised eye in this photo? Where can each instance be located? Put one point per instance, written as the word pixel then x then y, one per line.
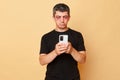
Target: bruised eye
pixel 64 17
pixel 57 17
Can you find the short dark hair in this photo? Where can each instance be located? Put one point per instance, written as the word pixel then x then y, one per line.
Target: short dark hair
pixel 61 7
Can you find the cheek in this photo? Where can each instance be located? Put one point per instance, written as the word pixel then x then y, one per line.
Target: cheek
pixel 56 21
pixel 66 21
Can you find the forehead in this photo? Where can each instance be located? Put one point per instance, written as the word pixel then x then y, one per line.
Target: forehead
pixel 59 13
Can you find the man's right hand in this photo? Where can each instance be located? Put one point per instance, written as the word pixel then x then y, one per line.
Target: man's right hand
pixel 60 48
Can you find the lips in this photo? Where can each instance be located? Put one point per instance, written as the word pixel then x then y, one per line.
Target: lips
pixel 62 24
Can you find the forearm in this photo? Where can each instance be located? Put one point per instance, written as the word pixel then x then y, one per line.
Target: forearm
pixel 47 58
pixel 79 56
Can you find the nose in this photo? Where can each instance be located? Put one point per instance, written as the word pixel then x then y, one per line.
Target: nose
pixel 62 19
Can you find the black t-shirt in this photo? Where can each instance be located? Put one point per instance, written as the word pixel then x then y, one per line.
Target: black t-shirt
pixel 63 67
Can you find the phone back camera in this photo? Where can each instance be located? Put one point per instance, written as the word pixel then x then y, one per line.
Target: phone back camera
pixel 61 38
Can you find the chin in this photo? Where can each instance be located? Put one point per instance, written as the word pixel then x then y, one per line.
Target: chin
pixel 62 27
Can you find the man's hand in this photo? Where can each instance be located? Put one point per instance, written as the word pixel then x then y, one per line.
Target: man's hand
pixel 69 48
pixel 61 48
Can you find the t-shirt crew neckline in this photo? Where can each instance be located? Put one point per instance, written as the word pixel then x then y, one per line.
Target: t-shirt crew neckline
pixel 61 32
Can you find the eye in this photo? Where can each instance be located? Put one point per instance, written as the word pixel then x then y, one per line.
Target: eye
pixel 57 17
pixel 65 17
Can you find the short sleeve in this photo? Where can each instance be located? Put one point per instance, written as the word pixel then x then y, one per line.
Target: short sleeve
pixel 43 45
pixel 81 46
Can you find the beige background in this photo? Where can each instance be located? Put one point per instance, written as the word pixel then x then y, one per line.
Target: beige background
pixel 23 22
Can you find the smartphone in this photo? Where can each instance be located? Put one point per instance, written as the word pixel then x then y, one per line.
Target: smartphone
pixel 63 38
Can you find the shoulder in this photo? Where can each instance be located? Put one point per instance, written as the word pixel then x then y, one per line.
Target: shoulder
pixel 48 34
pixel 75 32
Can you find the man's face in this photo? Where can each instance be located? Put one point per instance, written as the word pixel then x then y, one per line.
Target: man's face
pixel 61 19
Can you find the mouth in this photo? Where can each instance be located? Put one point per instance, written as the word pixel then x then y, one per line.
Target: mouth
pixel 62 24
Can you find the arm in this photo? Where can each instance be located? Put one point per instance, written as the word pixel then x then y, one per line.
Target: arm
pixel 79 56
pixel 48 58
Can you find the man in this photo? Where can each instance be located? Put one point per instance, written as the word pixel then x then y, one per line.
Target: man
pixel 62 58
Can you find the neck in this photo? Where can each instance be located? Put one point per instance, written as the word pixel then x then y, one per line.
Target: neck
pixel 61 30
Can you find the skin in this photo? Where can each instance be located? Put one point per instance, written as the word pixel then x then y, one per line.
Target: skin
pixel 61 20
